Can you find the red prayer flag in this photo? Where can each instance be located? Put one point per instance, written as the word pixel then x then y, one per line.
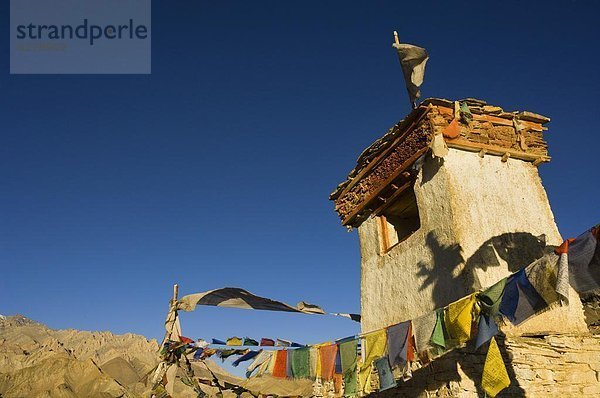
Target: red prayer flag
pixel 452 130
pixel 327 354
pixel 410 349
pixel 280 368
pixel 337 383
pixel 564 247
pixel 267 342
pixel 185 340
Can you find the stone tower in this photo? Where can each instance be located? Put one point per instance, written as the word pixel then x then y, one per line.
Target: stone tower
pixel 449 201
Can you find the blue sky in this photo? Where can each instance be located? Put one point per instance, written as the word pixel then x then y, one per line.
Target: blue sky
pixel 215 169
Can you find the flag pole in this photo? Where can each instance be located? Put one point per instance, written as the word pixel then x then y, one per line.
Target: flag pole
pixel 396 40
pixel 175 292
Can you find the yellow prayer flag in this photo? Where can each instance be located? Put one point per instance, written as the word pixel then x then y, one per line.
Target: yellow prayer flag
pixel 373 345
pixel 495 377
pixel 318 367
pixel 459 318
pixel 318 355
pixel 235 341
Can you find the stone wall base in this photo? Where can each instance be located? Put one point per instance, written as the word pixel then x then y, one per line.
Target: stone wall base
pixel 538 366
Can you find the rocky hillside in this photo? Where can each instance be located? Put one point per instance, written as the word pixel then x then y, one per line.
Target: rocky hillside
pixel 37 362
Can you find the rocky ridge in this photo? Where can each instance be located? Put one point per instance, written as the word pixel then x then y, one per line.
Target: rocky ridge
pixel 36 362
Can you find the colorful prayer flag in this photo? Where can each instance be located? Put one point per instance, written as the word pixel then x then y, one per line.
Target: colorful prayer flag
pixel 491 298
pixel 520 300
pixel 234 341
pixel 348 357
pixel 584 262
pixel 423 329
pixel 246 357
pixel 327 355
pixel 314 357
pixel 438 336
pixel 301 363
pixel 185 340
pixel 459 319
pixel 397 343
pixel 280 366
pixel 386 377
pixel 259 360
pixel 374 344
pixel 486 330
pixel 495 377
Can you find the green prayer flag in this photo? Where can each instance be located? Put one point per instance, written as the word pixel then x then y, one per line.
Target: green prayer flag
pixel 465 113
pixel 301 363
pixel 348 355
pixel 491 297
pixel 437 337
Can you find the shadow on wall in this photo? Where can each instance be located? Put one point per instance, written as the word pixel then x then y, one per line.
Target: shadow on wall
pixel 452 277
pixel 516 249
pixel 441 273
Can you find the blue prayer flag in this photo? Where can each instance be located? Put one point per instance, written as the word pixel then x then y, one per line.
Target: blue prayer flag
pixel 487 329
pixel 520 300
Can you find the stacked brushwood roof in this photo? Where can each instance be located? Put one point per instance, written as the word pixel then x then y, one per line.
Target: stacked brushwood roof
pixel 383 170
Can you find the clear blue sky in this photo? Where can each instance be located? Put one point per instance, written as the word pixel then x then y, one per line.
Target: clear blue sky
pixel 215 170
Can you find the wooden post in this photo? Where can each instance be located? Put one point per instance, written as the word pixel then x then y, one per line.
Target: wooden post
pixel 175 292
pixel 538 161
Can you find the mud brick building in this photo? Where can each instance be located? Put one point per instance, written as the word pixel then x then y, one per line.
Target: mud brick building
pixel 450 201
